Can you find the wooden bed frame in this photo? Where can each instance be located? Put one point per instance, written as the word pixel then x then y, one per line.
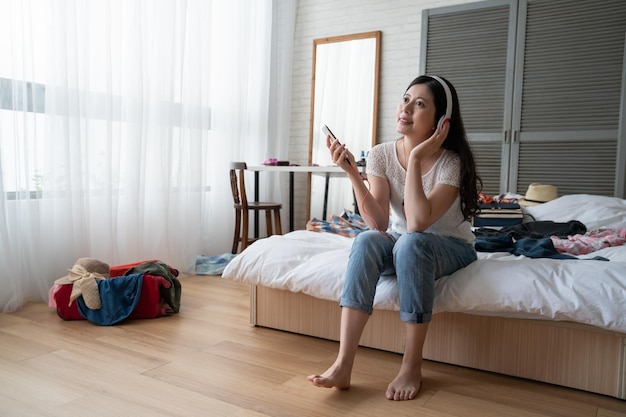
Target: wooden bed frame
pixel 562 353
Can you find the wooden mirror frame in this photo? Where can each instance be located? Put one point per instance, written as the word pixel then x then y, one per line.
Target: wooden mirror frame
pixel 376 35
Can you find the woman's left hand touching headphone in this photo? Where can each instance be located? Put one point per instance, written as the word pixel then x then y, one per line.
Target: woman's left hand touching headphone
pixel 433 144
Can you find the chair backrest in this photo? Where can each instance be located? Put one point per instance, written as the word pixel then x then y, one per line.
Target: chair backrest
pixel 238 184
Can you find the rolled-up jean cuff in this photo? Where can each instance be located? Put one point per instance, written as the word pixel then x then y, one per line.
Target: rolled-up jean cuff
pixel 356 306
pixel 416 318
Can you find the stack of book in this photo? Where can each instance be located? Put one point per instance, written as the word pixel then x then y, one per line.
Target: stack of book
pixel 499 215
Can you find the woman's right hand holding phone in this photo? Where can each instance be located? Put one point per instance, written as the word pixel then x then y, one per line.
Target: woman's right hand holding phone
pixel 340 155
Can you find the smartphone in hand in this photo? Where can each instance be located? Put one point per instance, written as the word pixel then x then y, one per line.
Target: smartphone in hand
pixel 328 132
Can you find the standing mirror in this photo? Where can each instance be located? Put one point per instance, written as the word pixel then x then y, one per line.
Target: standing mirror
pixel 344 96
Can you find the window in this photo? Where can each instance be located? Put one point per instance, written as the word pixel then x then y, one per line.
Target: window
pixel 101 88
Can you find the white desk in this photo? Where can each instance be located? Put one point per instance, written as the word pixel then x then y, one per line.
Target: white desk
pixel 327 171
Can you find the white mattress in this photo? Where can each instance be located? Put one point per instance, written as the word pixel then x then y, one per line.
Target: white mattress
pixel 579 290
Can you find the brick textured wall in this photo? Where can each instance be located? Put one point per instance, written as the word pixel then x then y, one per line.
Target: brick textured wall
pixel 400 23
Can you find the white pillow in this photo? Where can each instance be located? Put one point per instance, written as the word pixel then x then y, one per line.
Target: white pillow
pixel 594 211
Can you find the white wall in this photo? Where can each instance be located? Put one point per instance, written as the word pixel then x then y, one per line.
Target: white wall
pixel 400 23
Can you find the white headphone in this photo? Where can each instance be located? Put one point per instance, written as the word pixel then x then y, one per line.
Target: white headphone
pixel 448 100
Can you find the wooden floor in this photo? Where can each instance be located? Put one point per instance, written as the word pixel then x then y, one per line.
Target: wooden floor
pixel 209 361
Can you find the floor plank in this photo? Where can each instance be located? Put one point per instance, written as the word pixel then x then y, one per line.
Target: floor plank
pixel 209 361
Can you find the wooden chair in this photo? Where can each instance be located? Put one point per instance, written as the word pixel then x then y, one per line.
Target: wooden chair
pixel 243 207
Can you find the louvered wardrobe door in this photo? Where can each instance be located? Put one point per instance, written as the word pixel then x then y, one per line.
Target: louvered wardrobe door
pixel 570 56
pixel 471 45
pixel 540 85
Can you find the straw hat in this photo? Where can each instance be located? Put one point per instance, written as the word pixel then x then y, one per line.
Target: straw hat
pixel 538 194
pixel 83 276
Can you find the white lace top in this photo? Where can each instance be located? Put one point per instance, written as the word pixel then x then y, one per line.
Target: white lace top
pixel 383 162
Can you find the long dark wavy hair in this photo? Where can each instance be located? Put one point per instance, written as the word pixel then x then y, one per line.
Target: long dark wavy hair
pixel 471 183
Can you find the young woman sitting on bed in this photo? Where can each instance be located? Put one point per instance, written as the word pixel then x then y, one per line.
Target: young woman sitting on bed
pixel 427 179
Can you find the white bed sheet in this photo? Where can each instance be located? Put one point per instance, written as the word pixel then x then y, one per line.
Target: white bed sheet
pixel 578 290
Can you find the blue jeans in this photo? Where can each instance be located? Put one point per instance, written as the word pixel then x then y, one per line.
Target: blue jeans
pixel 417 259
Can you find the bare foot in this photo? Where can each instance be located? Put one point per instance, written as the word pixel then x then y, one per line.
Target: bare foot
pixel 335 376
pixel 405 386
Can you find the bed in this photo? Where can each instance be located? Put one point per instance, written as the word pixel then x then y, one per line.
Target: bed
pixel 560 321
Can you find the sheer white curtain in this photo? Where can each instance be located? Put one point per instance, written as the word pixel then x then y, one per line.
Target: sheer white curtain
pixel 118 120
